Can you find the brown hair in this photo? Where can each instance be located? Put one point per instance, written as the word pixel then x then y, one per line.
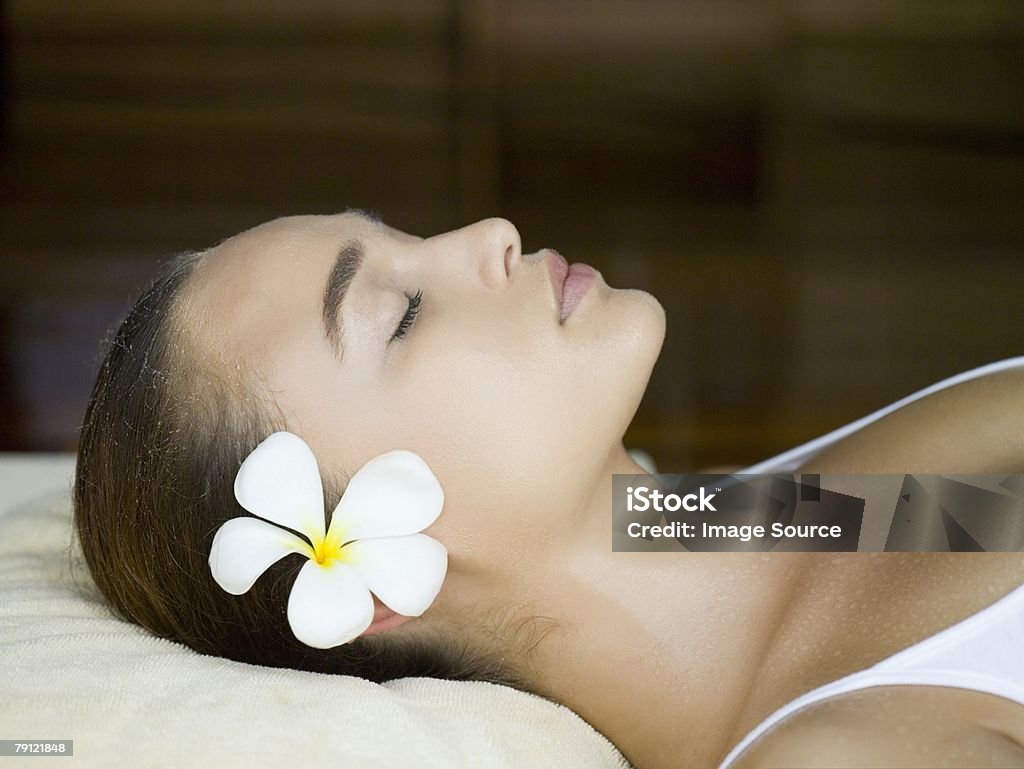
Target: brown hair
pixel 162 439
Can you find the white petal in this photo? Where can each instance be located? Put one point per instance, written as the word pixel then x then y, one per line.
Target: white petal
pixel 329 605
pixel 392 495
pixel 244 548
pixel 280 481
pixel 405 573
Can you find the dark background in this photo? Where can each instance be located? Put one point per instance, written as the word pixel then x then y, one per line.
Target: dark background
pixel 826 196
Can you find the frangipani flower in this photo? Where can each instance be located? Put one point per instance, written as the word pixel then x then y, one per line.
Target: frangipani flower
pixel 372 545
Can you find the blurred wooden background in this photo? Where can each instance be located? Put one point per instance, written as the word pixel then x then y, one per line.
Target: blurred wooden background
pixel 826 195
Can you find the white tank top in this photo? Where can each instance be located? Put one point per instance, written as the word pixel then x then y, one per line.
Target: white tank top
pixel 984 652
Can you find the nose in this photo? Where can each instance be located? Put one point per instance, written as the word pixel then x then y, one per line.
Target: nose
pixel 499 251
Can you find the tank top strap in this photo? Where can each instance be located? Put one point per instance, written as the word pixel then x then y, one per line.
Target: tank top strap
pixel 980 653
pixel 793 458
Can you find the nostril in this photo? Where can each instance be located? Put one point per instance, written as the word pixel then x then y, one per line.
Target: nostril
pixel 509 256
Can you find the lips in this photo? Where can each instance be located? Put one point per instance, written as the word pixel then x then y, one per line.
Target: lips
pixel 559 270
pixel 570 281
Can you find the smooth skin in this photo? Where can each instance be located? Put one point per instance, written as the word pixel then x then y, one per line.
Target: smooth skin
pixel 521 418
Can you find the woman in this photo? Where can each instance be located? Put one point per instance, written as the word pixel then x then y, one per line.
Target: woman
pixel 516 391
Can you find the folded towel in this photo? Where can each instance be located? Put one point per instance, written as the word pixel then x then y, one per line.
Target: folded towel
pixel 70 670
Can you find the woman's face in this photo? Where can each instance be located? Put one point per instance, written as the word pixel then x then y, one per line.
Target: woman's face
pixel 517 414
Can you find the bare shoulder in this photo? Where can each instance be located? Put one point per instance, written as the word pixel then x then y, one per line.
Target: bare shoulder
pixel 896 727
pixel 973 427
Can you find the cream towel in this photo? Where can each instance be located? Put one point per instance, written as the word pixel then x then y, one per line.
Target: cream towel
pixel 70 670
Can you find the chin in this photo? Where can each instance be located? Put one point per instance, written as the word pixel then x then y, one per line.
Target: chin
pixel 650 324
pixel 640 321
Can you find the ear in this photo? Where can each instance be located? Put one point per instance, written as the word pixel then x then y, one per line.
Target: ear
pixel 383 618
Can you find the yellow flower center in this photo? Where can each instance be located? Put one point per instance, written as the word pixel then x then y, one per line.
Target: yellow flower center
pixel 327 550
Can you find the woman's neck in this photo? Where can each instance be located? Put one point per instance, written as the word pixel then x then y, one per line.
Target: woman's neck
pixel 660 651
pixel 675 656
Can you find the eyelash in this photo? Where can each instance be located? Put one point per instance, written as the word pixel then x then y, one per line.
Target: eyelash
pixel 410 316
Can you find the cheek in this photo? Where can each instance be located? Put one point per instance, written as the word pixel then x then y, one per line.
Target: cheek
pixel 517 421
pixel 511 464
pixel 486 416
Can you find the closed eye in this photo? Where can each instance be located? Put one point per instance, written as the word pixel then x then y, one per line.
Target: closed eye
pixel 409 318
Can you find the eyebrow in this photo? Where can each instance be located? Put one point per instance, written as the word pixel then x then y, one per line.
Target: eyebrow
pixel 343 272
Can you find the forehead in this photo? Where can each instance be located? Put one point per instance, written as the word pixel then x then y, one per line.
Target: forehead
pixel 282 244
pixel 260 290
